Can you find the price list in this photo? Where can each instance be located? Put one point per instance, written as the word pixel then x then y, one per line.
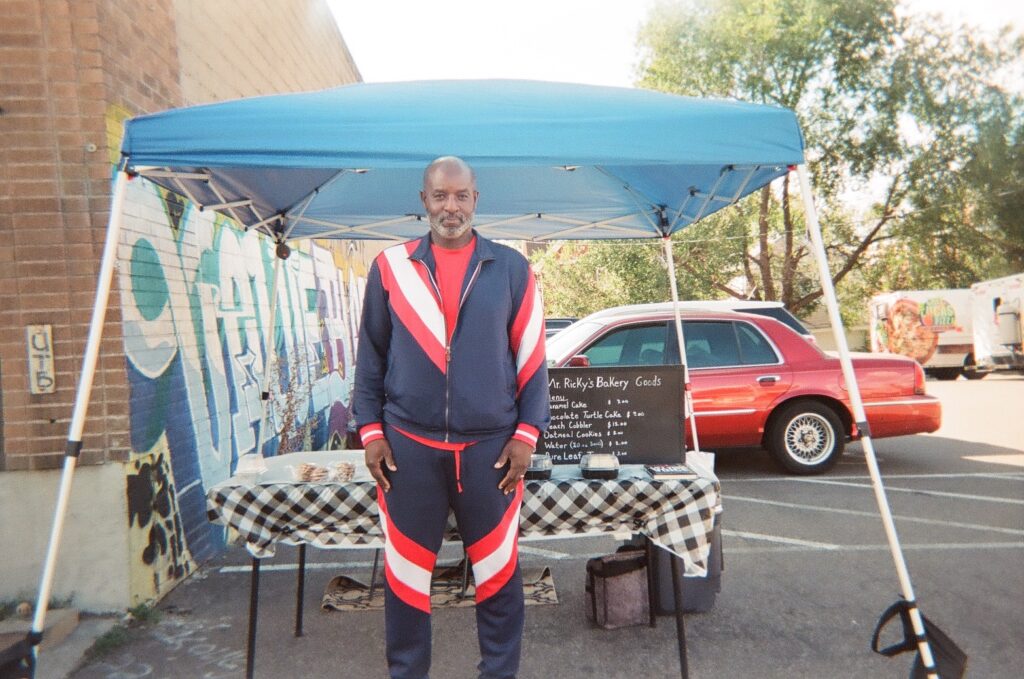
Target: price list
pixel 634 413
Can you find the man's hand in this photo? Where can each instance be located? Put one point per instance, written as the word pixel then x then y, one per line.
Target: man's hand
pixel 517 455
pixel 378 452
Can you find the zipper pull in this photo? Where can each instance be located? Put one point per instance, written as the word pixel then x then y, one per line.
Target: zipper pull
pixel 447 354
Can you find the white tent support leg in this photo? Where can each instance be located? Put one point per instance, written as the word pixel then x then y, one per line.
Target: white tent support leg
pixel 268 366
pixel 85 381
pixel 818 248
pixel 687 391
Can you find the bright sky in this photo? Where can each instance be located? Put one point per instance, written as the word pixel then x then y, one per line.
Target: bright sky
pixel 584 41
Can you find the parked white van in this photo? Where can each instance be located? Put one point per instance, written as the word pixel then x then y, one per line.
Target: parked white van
pixel 933 327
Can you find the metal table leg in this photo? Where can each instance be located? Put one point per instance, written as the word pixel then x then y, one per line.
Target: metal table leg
pixel 373 573
pixel 677 591
pixel 652 587
pixel 254 597
pixel 465 573
pixel 300 589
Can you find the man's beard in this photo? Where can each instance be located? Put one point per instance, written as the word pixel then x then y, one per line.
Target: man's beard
pixel 449 232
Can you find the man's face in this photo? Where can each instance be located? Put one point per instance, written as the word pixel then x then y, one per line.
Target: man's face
pixel 449 196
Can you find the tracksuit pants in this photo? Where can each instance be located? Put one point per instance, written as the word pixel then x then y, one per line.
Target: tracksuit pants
pixel 414 514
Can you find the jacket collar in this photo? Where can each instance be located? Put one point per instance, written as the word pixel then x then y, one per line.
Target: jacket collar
pixel 483 250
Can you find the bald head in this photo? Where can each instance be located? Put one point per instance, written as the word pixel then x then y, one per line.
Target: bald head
pixel 449 166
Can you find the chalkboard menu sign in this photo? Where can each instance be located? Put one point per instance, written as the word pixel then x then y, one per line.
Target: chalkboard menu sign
pixel 635 413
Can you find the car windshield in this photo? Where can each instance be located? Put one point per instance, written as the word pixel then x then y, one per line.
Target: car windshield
pixel 568 339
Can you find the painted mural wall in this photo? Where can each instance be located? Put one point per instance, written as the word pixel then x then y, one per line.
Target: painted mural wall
pixel 195 298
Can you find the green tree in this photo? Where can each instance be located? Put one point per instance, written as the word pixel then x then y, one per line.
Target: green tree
pixel 996 172
pixel 580 277
pixel 880 97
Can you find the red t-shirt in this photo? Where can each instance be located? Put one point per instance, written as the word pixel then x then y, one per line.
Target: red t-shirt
pixel 451 270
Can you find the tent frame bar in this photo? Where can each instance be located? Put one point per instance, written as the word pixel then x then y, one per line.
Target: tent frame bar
pixel 230 205
pixel 860 417
pixel 247 202
pixel 638 197
pixel 184 190
pixel 258 226
pixel 150 172
pixel 336 228
pixel 368 229
pixel 712 195
pixel 606 224
pixel 708 197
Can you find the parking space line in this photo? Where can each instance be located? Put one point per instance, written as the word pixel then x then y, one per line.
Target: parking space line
pixel 872 515
pixel 1008 476
pixel 939 546
pixel 1016 460
pixel 918 491
pixel 781 540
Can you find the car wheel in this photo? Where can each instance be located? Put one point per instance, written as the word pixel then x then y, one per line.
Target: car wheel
pixel 970 371
pixel 806 437
pixel 945 373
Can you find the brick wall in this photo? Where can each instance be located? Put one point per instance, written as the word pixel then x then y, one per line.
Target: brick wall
pixel 70 72
pixel 295 46
pixel 61 63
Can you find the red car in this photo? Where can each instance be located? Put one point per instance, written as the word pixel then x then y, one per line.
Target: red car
pixel 757 382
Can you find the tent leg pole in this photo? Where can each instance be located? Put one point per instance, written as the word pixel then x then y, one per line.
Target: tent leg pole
pixel 818 248
pixel 268 365
pixel 74 443
pixel 687 390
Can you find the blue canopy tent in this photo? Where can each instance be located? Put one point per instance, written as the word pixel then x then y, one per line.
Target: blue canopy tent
pixel 553 161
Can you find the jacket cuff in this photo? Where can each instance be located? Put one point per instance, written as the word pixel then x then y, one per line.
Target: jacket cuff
pixel 371 432
pixel 528 434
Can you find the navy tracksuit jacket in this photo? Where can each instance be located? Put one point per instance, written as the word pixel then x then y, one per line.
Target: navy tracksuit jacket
pixel 468 397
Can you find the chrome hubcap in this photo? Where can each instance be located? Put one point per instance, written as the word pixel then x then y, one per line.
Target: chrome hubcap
pixel 809 438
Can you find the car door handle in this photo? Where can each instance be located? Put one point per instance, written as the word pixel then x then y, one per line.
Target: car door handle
pixel 768 379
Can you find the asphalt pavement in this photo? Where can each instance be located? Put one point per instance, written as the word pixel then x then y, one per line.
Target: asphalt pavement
pixel 807 573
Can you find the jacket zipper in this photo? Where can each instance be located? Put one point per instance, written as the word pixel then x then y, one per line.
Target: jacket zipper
pixel 447 344
pixel 448 351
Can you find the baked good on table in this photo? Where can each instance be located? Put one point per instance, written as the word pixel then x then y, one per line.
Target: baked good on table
pixel 308 471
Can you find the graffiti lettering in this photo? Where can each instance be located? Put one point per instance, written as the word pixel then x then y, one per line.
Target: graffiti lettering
pixel 195 306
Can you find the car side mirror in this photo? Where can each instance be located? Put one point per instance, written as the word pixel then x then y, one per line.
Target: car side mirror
pixel 578 361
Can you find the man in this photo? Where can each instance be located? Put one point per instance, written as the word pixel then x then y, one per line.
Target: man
pixel 450 398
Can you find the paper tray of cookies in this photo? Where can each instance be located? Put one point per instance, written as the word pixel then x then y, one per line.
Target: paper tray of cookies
pixel 311 472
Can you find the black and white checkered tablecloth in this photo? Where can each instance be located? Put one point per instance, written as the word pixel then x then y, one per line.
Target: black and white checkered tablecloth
pixel 678 515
